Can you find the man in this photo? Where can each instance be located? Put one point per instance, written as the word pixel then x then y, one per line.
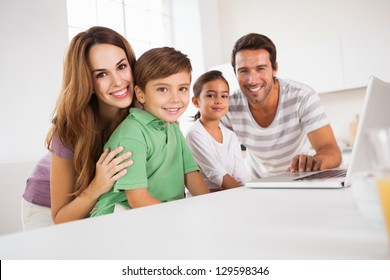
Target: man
pixel 274 118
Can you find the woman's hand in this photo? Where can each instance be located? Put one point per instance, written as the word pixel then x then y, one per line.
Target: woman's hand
pixel 109 168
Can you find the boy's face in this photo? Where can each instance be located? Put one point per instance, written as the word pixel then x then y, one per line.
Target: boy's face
pixel 166 98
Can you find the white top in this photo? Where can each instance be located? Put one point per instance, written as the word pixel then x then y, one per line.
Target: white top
pixel 270 149
pixel 216 159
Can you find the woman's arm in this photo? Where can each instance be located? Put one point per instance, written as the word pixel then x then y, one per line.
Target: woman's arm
pixel 66 207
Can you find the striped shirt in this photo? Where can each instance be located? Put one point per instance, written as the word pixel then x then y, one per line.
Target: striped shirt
pixel 270 149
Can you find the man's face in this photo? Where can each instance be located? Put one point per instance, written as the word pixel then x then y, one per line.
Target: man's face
pixel 255 74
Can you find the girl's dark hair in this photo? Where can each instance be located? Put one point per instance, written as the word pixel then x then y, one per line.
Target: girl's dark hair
pixel 204 79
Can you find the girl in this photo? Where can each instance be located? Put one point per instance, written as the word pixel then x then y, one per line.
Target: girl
pixel 215 148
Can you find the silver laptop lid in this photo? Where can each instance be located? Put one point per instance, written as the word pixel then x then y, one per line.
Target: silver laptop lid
pixel 375 114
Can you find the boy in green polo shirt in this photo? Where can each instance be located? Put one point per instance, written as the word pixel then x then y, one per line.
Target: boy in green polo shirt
pixel 163 164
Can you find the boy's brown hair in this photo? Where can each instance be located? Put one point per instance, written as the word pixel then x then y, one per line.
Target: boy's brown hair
pixel 160 63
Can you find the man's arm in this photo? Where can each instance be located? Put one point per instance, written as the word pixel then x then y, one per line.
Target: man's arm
pixel 327 155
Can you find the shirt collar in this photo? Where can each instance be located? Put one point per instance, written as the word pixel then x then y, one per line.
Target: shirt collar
pixel 147 118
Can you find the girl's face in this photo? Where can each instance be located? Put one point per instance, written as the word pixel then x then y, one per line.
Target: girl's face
pixel 213 101
pixel 166 98
pixel 112 77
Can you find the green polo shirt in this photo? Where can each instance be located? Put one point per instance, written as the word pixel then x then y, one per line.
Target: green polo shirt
pixel 161 159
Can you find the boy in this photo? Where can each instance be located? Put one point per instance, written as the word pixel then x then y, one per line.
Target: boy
pixel 163 163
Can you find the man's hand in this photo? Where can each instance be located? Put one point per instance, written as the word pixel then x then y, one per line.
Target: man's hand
pixel 327 152
pixel 304 163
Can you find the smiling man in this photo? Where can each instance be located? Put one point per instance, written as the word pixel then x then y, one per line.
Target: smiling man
pixel 277 119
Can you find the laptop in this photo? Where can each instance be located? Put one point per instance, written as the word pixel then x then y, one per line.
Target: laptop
pixel 375 114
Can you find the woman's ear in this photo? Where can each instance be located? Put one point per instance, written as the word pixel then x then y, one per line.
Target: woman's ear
pixel 195 101
pixel 140 94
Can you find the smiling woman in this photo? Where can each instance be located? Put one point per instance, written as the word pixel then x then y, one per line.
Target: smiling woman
pixel 96 94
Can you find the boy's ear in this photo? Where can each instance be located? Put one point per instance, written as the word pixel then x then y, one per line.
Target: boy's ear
pixel 140 94
pixel 195 102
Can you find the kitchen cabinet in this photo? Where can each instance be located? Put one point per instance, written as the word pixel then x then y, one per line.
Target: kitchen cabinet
pixel 318 65
pixel 342 63
pixel 337 64
pixel 365 54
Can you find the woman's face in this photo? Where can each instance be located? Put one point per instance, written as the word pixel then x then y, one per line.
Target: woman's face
pixel 112 77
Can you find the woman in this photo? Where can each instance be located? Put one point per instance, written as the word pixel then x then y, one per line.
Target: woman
pixel 96 94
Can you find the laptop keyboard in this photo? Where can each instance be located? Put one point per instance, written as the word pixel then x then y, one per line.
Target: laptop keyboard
pixel 325 174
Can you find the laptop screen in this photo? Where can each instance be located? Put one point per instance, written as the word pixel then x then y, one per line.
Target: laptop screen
pixel 375 114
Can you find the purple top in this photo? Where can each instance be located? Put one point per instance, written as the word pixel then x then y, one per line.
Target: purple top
pixel 38 184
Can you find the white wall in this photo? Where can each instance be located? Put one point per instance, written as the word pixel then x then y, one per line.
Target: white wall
pixel 13 179
pixel 298 25
pixel 187 38
pixel 33 40
pixel 299 22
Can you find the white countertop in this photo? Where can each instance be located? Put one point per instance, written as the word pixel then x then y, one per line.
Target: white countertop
pixel 236 224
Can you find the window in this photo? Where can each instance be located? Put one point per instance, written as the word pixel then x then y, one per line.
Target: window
pixel 145 23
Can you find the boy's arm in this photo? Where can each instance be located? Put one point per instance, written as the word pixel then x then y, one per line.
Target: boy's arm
pixel 195 184
pixel 140 197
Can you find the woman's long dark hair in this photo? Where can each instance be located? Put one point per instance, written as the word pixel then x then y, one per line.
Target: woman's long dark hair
pixel 76 113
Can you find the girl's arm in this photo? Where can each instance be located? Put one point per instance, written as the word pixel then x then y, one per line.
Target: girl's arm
pixel 66 207
pixel 209 163
pixel 240 172
pixel 206 157
pixel 228 182
pixel 195 184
